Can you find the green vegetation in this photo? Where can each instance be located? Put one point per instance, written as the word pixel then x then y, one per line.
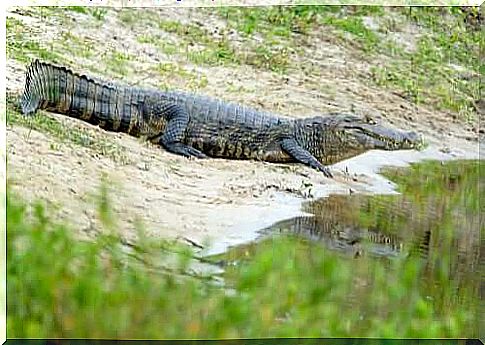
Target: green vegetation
pixel 128 18
pixel 61 286
pixel 23 45
pixel 221 53
pixel 442 72
pixel 272 21
pixel 199 47
pixel 367 38
pixel 78 46
pixel 77 9
pixel 98 12
pixel 118 62
pixel 428 55
pixel 108 288
pixel 23 49
pixel 190 79
pixel 276 59
pixel 206 49
pixel 95 11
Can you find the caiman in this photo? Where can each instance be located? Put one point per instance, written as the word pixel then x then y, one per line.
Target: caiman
pixel 338 235
pixel 199 126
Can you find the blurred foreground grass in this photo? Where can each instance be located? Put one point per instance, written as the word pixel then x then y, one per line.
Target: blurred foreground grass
pixel 62 287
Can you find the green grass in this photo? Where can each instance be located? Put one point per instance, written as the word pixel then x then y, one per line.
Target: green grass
pixel 190 79
pixel 23 46
pixel 274 20
pixel 441 72
pixel 423 76
pixel 128 18
pixel 23 49
pixel 211 51
pixel 147 39
pixel 60 286
pixel 98 13
pixel 78 46
pixel 118 62
pixel 367 38
pixel 219 54
pixel 426 75
pixel 77 9
pixel 191 32
pixel 276 59
pixel 289 25
pixel 442 199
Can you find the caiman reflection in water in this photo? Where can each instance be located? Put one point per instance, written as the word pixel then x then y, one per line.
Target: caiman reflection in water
pixel 436 213
pixel 336 224
pixel 438 205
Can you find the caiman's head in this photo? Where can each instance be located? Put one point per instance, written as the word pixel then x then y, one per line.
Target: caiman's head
pixel 345 136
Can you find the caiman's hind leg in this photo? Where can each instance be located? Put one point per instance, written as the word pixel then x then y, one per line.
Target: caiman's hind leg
pixel 291 147
pixel 173 136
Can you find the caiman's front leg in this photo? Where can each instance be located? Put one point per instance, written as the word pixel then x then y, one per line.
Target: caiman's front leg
pixel 173 136
pixel 291 147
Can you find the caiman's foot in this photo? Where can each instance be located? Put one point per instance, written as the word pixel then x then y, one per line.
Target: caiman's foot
pixel 173 135
pixel 291 147
pixel 184 150
pixel 326 171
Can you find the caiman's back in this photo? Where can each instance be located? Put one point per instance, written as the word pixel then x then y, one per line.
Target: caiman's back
pixel 204 109
pixel 121 108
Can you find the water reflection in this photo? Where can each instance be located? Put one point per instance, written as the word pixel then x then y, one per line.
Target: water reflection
pixel 338 230
pixel 438 207
pixel 436 217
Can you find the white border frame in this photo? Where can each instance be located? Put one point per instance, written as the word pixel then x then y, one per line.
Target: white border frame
pixel 4 4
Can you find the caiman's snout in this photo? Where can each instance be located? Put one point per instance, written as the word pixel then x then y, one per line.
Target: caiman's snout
pixel 375 136
pixel 389 139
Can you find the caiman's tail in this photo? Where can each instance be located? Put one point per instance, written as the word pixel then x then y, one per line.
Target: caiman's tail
pixel 43 86
pixel 60 90
pixel 57 89
pixel 31 97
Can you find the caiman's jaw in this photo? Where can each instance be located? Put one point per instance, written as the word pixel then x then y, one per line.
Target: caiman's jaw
pixel 367 135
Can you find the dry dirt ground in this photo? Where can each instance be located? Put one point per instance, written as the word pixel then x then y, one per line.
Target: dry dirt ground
pixel 218 201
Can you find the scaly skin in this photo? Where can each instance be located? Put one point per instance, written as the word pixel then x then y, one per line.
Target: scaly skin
pixel 338 235
pixel 197 126
pixel 342 235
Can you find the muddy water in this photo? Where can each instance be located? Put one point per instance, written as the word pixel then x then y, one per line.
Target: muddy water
pixel 435 216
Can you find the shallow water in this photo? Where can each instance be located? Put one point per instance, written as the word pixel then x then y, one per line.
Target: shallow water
pixel 436 217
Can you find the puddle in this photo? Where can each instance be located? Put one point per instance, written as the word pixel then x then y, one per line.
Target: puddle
pixel 435 216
